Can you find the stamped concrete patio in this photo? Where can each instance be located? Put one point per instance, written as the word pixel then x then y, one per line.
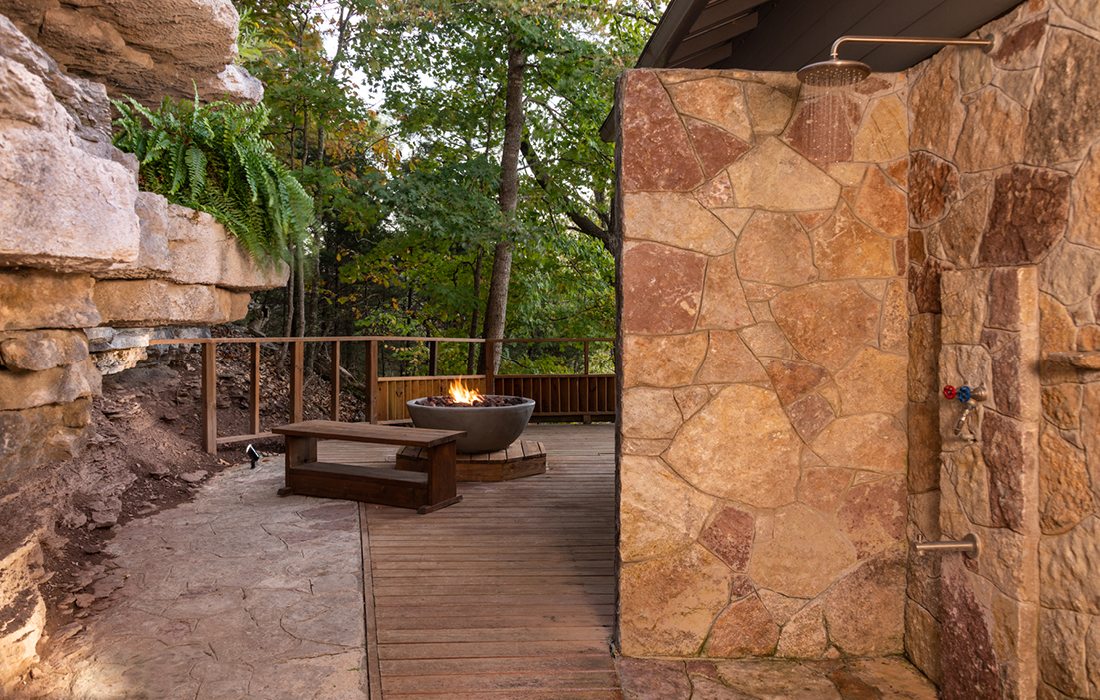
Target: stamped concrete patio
pixel 510 594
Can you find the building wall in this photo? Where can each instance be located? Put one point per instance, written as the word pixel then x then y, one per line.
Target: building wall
pixel 1004 254
pixel 763 359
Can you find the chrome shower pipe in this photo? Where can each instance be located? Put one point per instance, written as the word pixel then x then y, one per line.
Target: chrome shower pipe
pixel 985 44
pixel 969 545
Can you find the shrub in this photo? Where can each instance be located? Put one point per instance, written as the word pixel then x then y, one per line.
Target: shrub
pixel 214 158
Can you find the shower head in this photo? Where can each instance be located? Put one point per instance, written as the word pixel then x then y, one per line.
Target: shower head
pixel 839 72
pixel 835 72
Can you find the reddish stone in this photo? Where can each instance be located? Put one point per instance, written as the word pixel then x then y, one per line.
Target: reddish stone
pixel 716 148
pixel 653 678
pixel 1004 300
pixel 917 251
pixel 656 151
pixel 745 628
pixel 662 288
pixel 793 380
pixel 873 515
pixel 1029 214
pixel 823 128
pixel 1003 452
pixel 900 259
pixel 899 172
pixel 933 183
pixel 969 662
pixel 740 586
pixel 1004 350
pixel 810 415
pixel 1010 52
pixel 924 285
pixel 1088 338
pixel 729 537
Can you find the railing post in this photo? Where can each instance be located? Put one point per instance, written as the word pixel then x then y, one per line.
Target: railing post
pixel 254 391
pixel 490 367
pixel 586 358
pixel 372 381
pixel 433 358
pixel 334 382
pixel 297 379
pixel 209 388
pixel 587 416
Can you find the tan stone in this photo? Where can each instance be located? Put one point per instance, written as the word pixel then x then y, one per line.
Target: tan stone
pixel 865 610
pixel 1057 333
pixel 716 100
pixel 677 220
pixel 802 554
pixel 781 607
pixel 964 306
pixel 20 390
pixel 847 174
pixel 1062 651
pixel 1061 127
pixel 823 488
pixel 804 637
pixel 42 435
pixel 724 306
pixel 957 237
pixel 924 446
pixel 729 360
pixel 871 441
pixel 767 340
pixel 774 679
pixel 33 299
pixel 1062 405
pixel 668 604
pixel 157 302
pixel 881 204
pixel 922 640
pixel 823 126
pixel 1090 419
pixel 969 484
pixel 745 628
pixel 659 511
pixel 793 380
pixel 644 447
pixel 1065 497
pixel 827 322
pixel 649 413
pixel 924 344
pixel 770 106
pixel 773 176
pixel 873 382
pixel 1085 224
pixel 775 250
pixel 740 446
pixel 665 361
pixel 201 251
pixel 884 135
pixel 935 110
pixel 1071 274
pixel 39 350
pixel 992 133
pixel 1068 568
pixel 893 335
pixel 690 399
pixel 662 288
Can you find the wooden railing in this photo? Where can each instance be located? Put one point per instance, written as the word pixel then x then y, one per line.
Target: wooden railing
pixel 584 396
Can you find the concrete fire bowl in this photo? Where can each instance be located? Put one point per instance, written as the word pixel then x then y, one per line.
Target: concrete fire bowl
pixel 488 428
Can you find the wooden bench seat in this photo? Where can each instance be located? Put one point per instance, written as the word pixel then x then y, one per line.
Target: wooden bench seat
pixel 430 490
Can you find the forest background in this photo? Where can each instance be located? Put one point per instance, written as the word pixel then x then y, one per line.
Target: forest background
pixel 452 150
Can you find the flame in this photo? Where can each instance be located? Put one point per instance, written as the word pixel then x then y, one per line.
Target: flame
pixel 461 394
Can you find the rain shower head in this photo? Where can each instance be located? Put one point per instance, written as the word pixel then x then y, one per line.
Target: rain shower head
pixel 839 72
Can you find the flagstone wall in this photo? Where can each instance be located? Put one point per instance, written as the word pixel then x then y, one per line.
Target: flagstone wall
pixel 1005 279
pixel 763 357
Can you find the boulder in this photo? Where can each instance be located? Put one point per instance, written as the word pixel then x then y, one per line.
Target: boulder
pixel 201 251
pixel 41 435
pixel 21 389
pixel 152 302
pixel 38 299
pixel 41 350
pixel 153 257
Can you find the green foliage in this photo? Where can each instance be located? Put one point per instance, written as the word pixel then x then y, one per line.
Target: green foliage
pixel 214 158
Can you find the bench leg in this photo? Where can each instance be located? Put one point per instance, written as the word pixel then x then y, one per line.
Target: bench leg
pixel 442 485
pixel 299 451
pixel 423 510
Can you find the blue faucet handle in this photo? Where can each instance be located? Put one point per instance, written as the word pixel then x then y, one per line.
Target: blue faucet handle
pixel 963 394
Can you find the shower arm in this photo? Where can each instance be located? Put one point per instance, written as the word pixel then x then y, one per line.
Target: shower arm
pixel 985 44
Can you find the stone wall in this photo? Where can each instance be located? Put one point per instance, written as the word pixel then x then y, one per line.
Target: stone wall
pixel 763 359
pixel 1005 280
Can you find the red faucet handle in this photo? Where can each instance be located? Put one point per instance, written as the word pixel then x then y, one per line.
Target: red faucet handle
pixel 949 392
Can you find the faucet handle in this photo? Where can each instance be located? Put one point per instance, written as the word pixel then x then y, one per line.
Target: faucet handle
pixel 949 392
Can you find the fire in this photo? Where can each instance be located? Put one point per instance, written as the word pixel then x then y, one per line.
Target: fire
pixel 461 394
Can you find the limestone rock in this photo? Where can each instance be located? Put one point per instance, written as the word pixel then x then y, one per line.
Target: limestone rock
pixel 1062 651
pixel 1060 126
pixel 33 299
pixel 870 441
pixel 724 306
pixel 874 382
pixel 23 611
pixel 774 249
pixel 1068 568
pixel 922 640
pixel 717 100
pixel 827 321
pixel 884 135
pixel 1085 227
pixel 745 628
pixel 40 435
pixel 729 360
pixel 771 105
pixel 935 107
pixel 662 288
pixel 731 463
pixel 766 340
pixel 649 413
pixel 660 512
pixel 20 390
pixel 666 361
pixel 794 380
pixel 153 257
pixel 804 636
pixel 144 302
pixel 656 151
pixel 1071 274
pixel 41 350
pixel 676 220
pixel 845 247
pixel 1065 497
pixel 669 603
pixel 28 101
pixel 201 251
pixel 881 204
pixel 823 488
pixel 991 113
pixel 865 610
pixel 801 554
pixel 761 180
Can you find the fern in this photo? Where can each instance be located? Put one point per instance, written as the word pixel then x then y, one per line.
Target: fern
pixel 214 158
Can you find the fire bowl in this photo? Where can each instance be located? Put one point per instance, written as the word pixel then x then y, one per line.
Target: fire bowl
pixel 488 428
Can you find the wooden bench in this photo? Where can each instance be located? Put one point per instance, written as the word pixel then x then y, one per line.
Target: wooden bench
pixel 522 458
pixel 431 490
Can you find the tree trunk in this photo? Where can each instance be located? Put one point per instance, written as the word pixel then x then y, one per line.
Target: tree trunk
pixel 471 348
pixel 497 308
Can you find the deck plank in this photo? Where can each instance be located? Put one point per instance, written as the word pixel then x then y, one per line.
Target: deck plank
pixel 511 592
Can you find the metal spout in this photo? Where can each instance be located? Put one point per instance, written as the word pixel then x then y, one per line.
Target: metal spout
pixel 969 545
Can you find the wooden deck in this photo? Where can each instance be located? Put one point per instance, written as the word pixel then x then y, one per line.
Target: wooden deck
pixel 509 594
